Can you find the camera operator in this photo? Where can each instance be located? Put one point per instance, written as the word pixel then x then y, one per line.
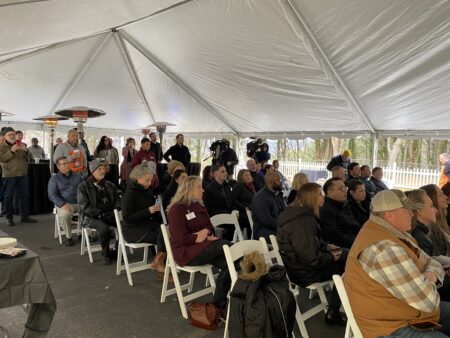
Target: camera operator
pixel 259 151
pixel 223 154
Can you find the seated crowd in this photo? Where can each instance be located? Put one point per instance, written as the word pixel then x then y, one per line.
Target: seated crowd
pixel 393 247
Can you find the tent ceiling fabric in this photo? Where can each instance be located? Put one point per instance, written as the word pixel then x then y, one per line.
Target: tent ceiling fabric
pixel 221 66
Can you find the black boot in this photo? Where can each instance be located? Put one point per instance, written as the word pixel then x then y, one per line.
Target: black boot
pixel 333 316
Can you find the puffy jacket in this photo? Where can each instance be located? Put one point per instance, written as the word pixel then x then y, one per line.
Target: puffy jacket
pixel 266 206
pixel 264 308
pixel 302 248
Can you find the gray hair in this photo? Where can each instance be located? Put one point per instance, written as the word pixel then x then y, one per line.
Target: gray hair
pixel 140 171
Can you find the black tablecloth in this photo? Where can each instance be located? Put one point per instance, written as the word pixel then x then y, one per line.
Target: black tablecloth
pixel 23 281
pixel 38 177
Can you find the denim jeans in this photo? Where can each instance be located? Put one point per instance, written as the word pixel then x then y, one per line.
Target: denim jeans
pixel 11 185
pixel 444 320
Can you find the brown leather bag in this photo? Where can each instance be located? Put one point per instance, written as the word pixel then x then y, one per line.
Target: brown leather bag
pixel 204 316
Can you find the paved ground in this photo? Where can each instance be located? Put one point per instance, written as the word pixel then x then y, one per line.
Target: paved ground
pixel 94 302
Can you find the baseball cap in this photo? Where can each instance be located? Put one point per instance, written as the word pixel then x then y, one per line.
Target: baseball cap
pixel 393 199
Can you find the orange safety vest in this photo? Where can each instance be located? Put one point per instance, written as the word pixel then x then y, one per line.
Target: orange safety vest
pixel 77 164
pixel 442 178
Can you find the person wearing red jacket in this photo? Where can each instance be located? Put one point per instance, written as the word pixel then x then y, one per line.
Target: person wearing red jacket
pixel 146 156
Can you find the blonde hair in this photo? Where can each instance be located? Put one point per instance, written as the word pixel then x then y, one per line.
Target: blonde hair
pixel 307 197
pixel 441 216
pixel 172 165
pixel 140 171
pixel 183 194
pixel 299 180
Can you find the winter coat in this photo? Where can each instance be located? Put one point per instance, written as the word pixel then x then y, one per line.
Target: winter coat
pixel 137 219
pixel 292 196
pixel 360 213
pixel 215 200
pixel 337 161
pixel 242 196
pixel 302 247
pixel 88 193
pixel 258 180
pixel 338 224
pixel 379 185
pixel 14 164
pixel 156 149
pixel 266 206
pixel 227 156
pixel 111 155
pixel 264 308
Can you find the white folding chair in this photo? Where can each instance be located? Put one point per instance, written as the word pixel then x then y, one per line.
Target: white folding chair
pixel 250 219
pixel 172 267
pixel 122 252
pixel 352 329
pixel 236 252
pixel 319 287
pixel 231 218
pixel 86 243
pixel 59 231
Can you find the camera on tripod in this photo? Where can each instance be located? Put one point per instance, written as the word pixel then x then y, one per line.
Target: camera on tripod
pixel 217 149
pixel 258 150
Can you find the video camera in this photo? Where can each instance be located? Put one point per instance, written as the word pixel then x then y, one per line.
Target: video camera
pixel 256 146
pixel 218 147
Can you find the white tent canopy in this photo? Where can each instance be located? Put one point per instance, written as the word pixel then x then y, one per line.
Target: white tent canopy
pixel 245 67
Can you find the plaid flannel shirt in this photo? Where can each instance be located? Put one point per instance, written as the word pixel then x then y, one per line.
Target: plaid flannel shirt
pixel 389 264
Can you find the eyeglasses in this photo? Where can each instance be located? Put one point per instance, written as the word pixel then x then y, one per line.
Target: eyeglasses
pixel 343 189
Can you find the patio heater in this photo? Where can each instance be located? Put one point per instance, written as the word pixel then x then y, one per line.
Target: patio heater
pixel 161 129
pixel 80 115
pixel 51 122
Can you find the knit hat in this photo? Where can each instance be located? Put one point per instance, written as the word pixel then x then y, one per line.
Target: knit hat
pixel 386 200
pixel 346 153
pixel 94 165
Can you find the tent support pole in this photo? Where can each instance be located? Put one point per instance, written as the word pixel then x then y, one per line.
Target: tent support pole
pixel 80 73
pixel 133 74
pixel 376 138
pixel 165 70
pixel 309 35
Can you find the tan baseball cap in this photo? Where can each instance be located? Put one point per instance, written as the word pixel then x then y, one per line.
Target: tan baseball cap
pixel 393 199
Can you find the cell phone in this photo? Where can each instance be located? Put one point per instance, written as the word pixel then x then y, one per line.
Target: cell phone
pixel 425 325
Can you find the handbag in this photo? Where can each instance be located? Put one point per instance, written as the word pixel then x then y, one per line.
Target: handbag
pixel 204 316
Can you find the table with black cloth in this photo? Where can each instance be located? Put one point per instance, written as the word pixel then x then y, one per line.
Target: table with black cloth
pixel 23 281
pixel 38 177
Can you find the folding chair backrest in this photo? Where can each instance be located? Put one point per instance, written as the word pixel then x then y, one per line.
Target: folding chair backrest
pixel 166 237
pixel 276 249
pixel 231 218
pixel 163 212
pixel 339 285
pixel 250 219
pixel 239 250
pixel 119 218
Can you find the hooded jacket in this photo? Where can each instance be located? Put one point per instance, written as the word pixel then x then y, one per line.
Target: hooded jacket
pixel 301 244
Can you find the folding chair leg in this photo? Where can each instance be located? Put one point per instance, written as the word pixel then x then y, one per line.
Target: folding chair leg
pixel 191 281
pixel 300 322
pixel 88 242
pixel 323 298
pixel 166 282
pixel 145 258
pixel 119 261
pixel 210 278
pixel 83 242
pixel 127 266
pixel 179 292
pixel 225 333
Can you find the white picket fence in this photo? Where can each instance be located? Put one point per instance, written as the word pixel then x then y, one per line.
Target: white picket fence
pixel 394 176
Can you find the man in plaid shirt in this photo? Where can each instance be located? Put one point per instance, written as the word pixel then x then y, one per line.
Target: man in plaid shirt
pixel 389 280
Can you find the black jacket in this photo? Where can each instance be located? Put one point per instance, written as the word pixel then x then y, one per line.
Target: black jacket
pixel 228 155
pixel 292 196
pixel 420 232
pixel 338 161
pixel 178 153
pixel 360 213
pixel 267 205
pixel 302 247
pixel 157 150
pixel 88 200
pixel 338 224
pixel 169 193
pixel 215 200
pixel 137 220
pixel 258 181
pixel 242 197
pixel 264 308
